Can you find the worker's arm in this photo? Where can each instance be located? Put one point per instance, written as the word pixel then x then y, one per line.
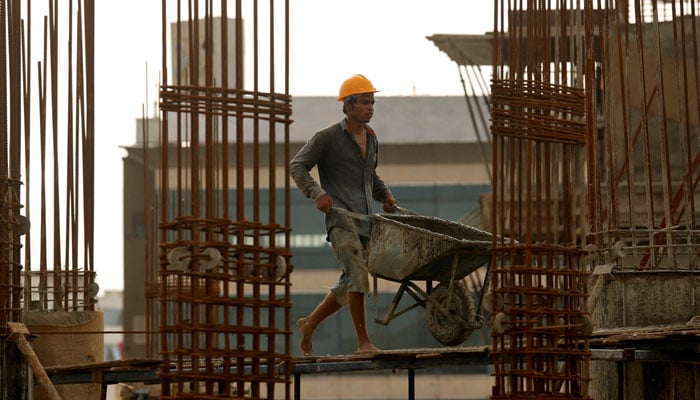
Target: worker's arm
pixel 302 163
pixel 380 191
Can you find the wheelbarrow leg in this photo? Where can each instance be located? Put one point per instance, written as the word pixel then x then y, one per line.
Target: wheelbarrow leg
pixel 375 296
pixel 392 307
pixel 453 275
pixel 406 287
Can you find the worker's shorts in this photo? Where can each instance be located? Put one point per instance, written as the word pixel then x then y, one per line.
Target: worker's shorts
pixel 351 252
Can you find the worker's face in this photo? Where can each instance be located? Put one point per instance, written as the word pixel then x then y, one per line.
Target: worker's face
pixel 363 109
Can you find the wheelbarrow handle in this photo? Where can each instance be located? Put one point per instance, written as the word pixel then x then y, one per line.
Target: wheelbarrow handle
pixel 404 211
pixel 353 215
pixel 364 217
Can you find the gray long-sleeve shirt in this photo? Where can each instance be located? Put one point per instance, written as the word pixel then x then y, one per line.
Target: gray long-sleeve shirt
pixel 351 181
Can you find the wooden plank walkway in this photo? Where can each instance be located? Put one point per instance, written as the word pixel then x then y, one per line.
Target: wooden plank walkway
pixel 660 343
pixel 146 370
pixel 649 335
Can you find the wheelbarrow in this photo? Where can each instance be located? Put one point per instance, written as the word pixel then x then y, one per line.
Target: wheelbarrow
pixel 406 247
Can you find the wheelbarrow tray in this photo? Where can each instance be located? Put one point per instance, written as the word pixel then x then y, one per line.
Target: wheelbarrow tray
pixel 416 247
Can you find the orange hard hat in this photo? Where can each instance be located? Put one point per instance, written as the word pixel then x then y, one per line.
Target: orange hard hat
pixel 354 85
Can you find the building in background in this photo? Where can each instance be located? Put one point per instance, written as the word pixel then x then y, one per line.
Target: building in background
pixel 111 303
pixel 182 58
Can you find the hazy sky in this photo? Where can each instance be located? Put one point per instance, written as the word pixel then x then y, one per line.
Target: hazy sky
pixel 329 41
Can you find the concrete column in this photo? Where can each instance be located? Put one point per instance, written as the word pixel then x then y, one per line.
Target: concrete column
pixel 645 299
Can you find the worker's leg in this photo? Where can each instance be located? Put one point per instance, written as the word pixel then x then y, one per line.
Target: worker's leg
pixel 327 307
pixel 356 303
pixel 351 252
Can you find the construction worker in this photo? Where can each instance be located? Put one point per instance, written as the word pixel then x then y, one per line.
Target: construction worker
pixel 345 154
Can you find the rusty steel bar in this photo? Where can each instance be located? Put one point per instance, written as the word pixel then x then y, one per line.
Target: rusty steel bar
pixel 255 388
pixel 54 264
pixel 685 122
pixel 646 140
pixel 43 280
pixel 225 157
pixel 663 136
pixel 71 201
pixel 7 210
pixel 287 368
pixel 27 103
pixel 148 256
pixel 15 175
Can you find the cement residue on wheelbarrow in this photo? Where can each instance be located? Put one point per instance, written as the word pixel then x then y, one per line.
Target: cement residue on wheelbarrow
pixel 418 247
pixel 408 248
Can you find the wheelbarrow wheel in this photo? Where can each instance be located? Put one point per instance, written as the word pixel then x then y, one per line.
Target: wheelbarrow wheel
pixel 451 329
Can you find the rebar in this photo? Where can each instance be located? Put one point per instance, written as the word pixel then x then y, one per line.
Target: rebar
pixel 645 214
pixel 635 68
pixel 540 326
pixel 220 290
pixel 63 220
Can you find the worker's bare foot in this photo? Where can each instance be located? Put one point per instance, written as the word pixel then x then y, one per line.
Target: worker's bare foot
pixel 367 348
pixel 306 330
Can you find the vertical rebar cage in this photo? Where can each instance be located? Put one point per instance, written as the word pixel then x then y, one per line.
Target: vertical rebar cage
pixel 10 167
pixel 224 297
pixel 46 159
pixel 540 325
pixel 647 208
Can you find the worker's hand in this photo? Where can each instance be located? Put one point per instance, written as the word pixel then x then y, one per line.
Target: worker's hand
pixel 390 204
pixel 324 203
